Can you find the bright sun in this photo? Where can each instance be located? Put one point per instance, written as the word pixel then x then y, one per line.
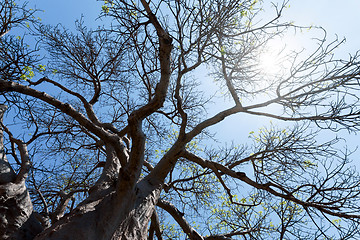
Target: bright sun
pixel 274 60
pixel 269 62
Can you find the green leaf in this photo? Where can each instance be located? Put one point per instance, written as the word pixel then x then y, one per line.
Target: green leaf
pixel 41 68
pixel 105 8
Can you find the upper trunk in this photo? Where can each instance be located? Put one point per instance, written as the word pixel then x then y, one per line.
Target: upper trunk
pixel 119 215
pixel 7 174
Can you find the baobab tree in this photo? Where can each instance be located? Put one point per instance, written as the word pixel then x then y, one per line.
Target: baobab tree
pixel 108 133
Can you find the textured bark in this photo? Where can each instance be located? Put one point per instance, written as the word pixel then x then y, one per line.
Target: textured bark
pixel 136 223
pixel 17 220
pixel 123 215
pixel 7 174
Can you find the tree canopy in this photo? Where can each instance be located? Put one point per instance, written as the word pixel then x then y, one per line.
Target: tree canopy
pixel 110 131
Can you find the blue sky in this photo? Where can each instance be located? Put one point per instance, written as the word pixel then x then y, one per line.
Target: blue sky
pixel 66 11
pixel 337 16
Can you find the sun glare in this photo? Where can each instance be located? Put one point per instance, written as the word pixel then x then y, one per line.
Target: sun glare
pixel 269 63
pixel 274 60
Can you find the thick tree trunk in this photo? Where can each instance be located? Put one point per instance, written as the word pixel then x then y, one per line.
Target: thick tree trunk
pixel 135 226
pixel 17 220
pixel 122 215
